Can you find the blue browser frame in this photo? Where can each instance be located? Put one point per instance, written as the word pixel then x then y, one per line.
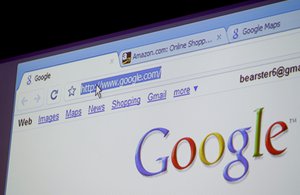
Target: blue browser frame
pixel 117 46
pixel 162 35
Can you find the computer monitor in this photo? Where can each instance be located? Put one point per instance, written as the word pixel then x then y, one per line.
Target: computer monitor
pixel 204 105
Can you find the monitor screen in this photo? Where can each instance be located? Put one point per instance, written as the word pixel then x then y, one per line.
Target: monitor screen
pixel 204 105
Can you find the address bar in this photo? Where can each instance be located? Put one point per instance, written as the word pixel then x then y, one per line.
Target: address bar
pixel 121 80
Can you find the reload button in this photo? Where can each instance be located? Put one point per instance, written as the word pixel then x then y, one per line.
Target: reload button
pixel 53 95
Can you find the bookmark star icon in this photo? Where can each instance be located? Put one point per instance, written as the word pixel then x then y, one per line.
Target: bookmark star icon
pixel 72 91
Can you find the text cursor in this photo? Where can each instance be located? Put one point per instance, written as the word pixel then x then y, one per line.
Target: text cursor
pixel 98 91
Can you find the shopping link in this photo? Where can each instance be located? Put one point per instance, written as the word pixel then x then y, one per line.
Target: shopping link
pixel 121 80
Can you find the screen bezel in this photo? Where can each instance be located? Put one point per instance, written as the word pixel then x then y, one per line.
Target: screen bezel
pixel 8 68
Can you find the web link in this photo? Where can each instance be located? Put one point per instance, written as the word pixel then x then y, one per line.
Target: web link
pixel 121 80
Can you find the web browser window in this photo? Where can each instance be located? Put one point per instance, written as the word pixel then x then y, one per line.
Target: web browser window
pixel 212 111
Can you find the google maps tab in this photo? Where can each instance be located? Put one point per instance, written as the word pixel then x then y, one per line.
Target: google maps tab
pixel 173 47
pixel 264 26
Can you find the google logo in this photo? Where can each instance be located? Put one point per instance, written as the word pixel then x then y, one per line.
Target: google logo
pixel 240 158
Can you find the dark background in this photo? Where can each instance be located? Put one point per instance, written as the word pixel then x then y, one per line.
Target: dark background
pixel 30 28
pixel 25 29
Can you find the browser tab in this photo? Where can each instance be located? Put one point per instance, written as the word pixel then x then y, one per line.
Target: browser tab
pixel 264 26
pixel 37 78
pixel 173 47
pixel 76 70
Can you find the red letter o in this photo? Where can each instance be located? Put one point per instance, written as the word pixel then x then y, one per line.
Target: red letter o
pixel 193 153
